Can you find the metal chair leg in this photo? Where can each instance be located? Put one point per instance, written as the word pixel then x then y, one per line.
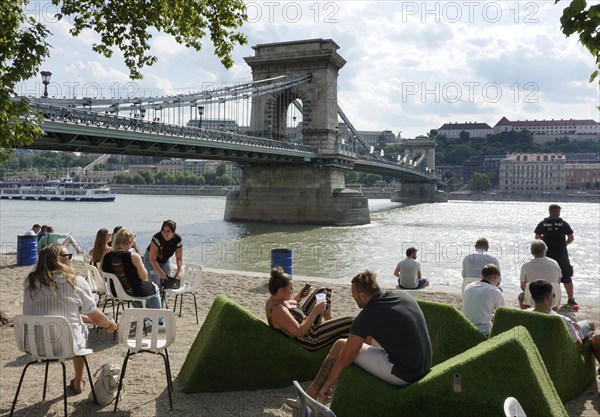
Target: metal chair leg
pixel 90 378
pixel 64 369
pixel 45 381
pixel 195 307
pixel 122 377
pixel 12 409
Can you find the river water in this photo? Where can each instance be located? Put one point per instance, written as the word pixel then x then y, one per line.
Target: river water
pixel 443 233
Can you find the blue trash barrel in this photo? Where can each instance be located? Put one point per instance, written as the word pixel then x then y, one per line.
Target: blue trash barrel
pixel 282 258
pixel 26 250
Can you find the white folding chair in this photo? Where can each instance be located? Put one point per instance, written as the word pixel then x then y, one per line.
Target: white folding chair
pixel 119 296
pixel 95 280
pixel 192 275
pixel 48 339
pixel 153 342
pixel 512 408
pixel 310 406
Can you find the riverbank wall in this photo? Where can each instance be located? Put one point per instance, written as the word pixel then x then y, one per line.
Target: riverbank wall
pixel 369 192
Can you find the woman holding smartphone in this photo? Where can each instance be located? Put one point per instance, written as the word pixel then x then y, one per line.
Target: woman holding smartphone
pixel 310 324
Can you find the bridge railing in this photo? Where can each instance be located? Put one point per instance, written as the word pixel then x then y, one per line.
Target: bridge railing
pixel 114 121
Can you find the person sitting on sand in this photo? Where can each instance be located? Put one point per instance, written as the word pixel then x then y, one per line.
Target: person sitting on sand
pixel 543 295
pixel 310 324
pixel 54 289
pixel 408 272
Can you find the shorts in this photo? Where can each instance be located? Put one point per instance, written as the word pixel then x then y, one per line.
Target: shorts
pixel 567 272
pixel 375 361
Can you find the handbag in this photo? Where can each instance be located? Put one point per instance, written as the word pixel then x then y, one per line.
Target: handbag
pixel 171 283
pixel 107 383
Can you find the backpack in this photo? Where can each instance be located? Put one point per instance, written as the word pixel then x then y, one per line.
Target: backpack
pixel 107 384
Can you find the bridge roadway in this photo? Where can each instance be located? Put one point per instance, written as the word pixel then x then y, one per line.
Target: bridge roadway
pixel 76 130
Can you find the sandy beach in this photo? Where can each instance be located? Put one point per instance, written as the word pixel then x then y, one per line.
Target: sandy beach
pixel 145 390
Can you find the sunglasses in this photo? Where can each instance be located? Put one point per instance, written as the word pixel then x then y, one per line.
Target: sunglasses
pixel 66 255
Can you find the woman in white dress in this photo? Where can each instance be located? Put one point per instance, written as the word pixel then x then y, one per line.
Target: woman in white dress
pixel 54 289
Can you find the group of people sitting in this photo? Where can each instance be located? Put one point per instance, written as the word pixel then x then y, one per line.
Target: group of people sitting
pixel 389 337
pixel 54 288
pixel 140 275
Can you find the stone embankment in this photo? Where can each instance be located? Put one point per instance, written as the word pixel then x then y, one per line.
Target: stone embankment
pixel 369 192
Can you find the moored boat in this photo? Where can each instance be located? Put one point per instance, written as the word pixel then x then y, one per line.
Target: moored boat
pixel 55 190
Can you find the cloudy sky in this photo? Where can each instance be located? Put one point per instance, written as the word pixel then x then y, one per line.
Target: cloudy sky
pixel 411 65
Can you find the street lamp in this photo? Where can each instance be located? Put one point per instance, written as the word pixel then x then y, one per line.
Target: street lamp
pixel 200 113
pixel 46 80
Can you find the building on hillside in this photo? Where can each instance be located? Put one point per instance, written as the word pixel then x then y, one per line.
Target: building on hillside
pixel 550 127
pixel 450 171
pixel 136 168
pixel 200 166
pixel 170 166
pixel 487 164
pixel 204 166
pixel 474 129
pixel 527 172
pixel 374 137
pixel 583 171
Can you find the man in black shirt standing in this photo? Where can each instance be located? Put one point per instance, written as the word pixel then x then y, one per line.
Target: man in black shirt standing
pixel 552 230
pixel 388 339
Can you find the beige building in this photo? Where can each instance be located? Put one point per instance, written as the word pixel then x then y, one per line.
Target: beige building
pixel 582 176
pixel 474 129
pixel 522 173
pixel 170 166
pixel 550 127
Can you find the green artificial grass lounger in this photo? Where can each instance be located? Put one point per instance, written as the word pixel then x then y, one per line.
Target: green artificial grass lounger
pixel 474 383
pixel 450 331
pixel 235 350
pixel 572 372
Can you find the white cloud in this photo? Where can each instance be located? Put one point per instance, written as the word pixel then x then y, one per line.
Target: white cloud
pixel 391 48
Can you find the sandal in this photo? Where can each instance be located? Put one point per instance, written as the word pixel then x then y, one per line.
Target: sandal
pixel 71 388
pixel 295 403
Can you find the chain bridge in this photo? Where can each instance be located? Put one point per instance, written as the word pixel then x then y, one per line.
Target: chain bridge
pixel 293 172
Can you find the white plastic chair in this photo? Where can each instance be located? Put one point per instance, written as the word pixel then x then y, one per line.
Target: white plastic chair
pixel 310 406
pixel 95 279
pixel 192 274
pixel 120 297
pixel 48 339
pixel 154 342
pixel 512 408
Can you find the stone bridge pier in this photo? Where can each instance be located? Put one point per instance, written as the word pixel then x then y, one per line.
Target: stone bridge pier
pixel 314 192
pixel 420 152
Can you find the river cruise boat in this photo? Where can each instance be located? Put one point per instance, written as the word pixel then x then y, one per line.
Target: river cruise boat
pixel 55 190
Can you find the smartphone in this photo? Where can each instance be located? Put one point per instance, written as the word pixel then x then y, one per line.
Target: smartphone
pixel 306 288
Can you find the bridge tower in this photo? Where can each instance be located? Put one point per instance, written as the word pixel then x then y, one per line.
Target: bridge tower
pixel 421 151
pixel 309 193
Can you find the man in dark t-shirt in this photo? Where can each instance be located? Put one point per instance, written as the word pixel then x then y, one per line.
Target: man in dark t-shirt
pixel 388 339
pixel 553 230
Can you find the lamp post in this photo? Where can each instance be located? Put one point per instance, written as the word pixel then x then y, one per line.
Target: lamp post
pixel 200 113
pixel 46 80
